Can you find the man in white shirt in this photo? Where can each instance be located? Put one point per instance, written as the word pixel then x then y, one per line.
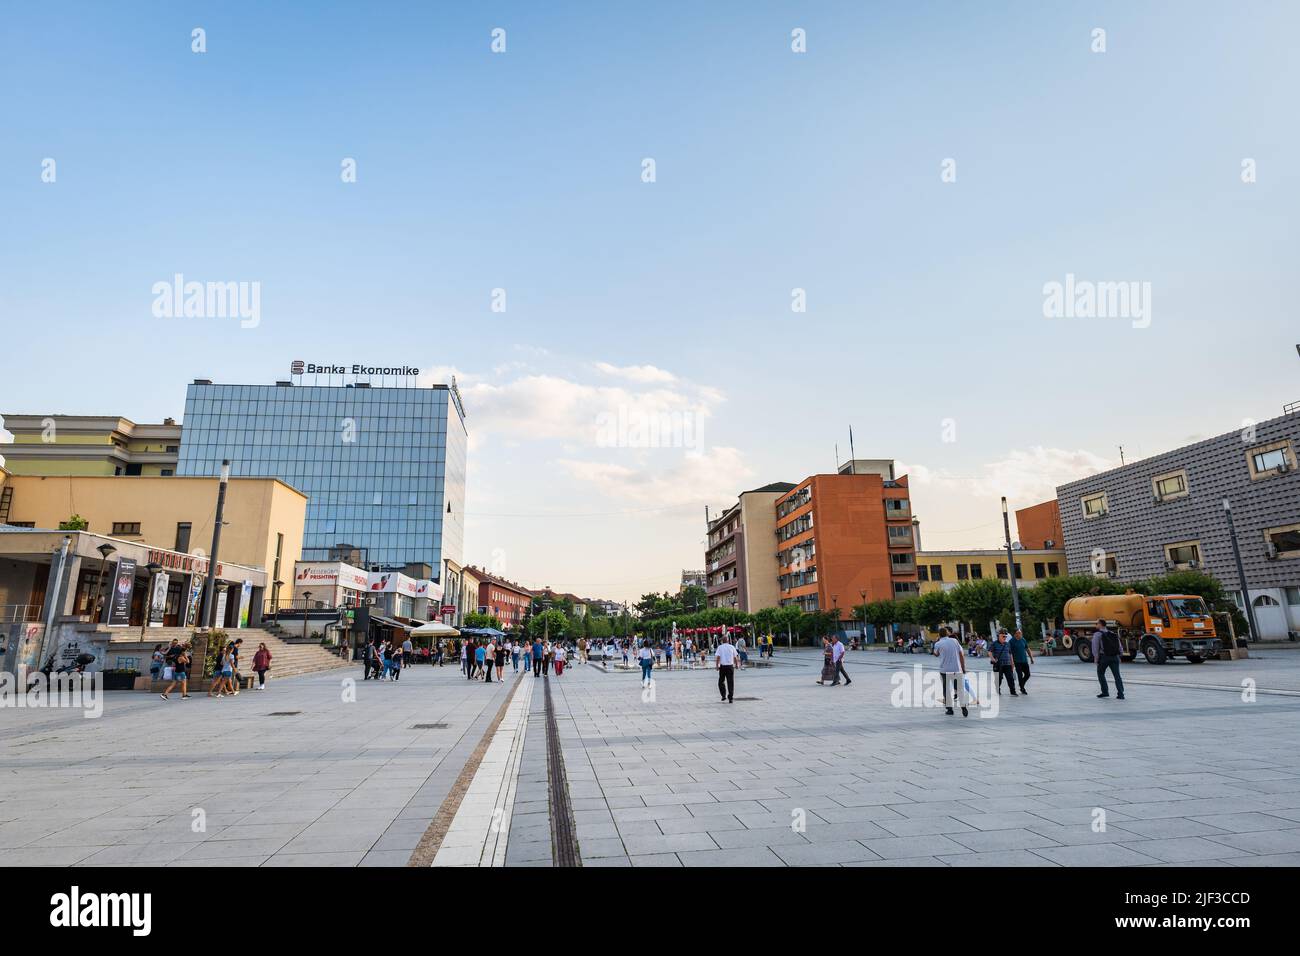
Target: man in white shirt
pixel 952 668
pixel 837 658
pixel 725 662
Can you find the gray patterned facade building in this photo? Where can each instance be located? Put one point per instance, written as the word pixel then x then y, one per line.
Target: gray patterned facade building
pixel 1166 513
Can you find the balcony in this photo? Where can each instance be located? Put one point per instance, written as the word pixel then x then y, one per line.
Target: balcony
pixel 897 514
pixel 901 541
pixel 908 567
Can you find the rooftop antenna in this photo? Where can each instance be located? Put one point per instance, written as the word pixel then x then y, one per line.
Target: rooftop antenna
pixel 837 458
pixel 1121 455
pixel 853 457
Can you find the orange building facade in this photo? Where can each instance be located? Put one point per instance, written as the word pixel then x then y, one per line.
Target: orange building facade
pixel 1039 526
pixel 844 539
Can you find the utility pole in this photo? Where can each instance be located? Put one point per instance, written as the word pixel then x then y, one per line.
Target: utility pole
pixel 1011 564
pixel 1241 571
pixel 209 587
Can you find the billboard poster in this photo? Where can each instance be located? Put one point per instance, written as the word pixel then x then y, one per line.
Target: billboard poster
pixel 195 597
pixel 119 598
pixel 158 599
pixel 245 599
pixel 221 607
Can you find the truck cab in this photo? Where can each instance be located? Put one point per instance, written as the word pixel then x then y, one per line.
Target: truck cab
pixel 1184 626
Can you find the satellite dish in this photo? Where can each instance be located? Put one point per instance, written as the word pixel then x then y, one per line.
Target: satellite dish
pixel 1017 546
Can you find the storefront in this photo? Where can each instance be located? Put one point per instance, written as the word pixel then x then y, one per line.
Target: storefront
pixel 330 584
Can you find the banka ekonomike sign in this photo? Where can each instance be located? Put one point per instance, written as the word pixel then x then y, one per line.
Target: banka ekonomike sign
pixel 299 367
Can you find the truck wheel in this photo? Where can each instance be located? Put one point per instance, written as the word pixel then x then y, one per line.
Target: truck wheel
pixel 1083 648
pixel 1195 659
pixel 1153 650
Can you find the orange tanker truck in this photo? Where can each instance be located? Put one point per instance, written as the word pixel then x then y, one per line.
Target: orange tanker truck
pixel 1157 626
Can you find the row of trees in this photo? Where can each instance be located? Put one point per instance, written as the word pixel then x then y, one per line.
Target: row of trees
pixel 978 602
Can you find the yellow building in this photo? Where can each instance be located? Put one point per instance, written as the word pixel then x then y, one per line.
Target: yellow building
pixel 264 517
pixel 944 570
pixel 90 445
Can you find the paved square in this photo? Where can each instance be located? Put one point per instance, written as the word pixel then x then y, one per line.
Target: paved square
pixel 1186 770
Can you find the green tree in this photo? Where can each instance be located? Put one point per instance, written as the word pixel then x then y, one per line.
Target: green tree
pixel 880 615
pixel 75 523
pixel 932 609
pixel 978 602
pixel 478 619
pixel 551 622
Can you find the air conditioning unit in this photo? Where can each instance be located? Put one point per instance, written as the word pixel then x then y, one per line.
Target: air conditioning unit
pixel 1270 551
pixel 1283 468
pixel 1193 564
pixel 1169 565
pixel 1049 543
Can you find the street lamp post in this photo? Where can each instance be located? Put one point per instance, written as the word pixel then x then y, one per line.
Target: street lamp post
pixel 96 604
pixel 1241 571
pixel 210 586
pixel 306 596
pixel 1011 564
pixel 863 592
pixel 835 604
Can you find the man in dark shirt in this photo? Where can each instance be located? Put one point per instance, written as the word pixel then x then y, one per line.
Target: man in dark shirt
pixel 1003 662
pixel 1021 655
pixel 1106 652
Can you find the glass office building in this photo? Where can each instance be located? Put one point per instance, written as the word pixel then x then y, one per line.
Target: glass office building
pixel 383 468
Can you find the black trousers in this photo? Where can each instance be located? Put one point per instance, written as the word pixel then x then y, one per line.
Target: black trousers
pixel 727 681
pixel 1104 663
pixel 1008 672
pixel 487 674
pixel 537 667
pixel 839 670
pixel 1022 673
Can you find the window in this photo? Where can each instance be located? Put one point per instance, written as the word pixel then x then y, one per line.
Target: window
pixel 173 449
pixel 936 572
pixel 1170 485
pixel 1104 565
pixel 183 537
pixel 167 472
pixel 1053 569
pixel 1265 461
pixel 126 527
pixel 1283 542
pixel 1002 571
pixel 1040 570
pixel 963 572
pixel 21 524
pixel 922 572
pixel 1293 597
pixel 977 572
pixel 1094 506
pixel 133 469
pixel 1185 554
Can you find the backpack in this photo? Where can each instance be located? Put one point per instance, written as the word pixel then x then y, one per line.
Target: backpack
pixel 1110 643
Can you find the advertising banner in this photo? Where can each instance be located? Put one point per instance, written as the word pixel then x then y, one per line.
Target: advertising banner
pixel 119 598
pixel 158 599
pixel 245 599
pixel 221 607
pixel 192 605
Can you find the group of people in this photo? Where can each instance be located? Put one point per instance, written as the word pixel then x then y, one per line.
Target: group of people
pixel 478 658
pixel 1010 656
pixel 174 663
pixel 385 660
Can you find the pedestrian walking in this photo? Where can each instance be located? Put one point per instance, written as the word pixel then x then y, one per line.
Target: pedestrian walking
pixel 646 658
pixel 156 662
pixel 501 660
pixel 1021 655
pixel 538 652
pixel 837 658
pixel 561 655
pixel 489 661
pixel 399 659
pixel 261 664
pixel 828 664
pixel 179 659
pixel 725 661
pixel 1003 662
pixel 1106 652
pixel 514 655
pixel 952 670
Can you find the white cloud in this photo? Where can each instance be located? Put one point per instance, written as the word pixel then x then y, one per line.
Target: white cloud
pixel 1024 476
pixel 718 473
pixel 641 374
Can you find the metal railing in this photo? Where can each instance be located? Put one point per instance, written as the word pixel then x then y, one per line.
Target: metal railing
pixel 20 613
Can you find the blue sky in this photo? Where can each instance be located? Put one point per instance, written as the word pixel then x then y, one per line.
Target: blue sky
pixel 775 171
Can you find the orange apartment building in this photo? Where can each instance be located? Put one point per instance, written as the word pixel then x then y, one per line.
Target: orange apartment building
pixel 846 538
pixel 1039 526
